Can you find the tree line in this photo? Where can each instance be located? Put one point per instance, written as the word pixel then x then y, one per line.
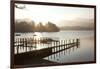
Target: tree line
pixel 25 26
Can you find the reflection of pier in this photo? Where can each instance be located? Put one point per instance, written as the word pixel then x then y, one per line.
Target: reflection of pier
pixel 31 52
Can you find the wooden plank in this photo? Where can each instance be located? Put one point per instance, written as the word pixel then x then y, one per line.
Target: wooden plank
pixel 34 54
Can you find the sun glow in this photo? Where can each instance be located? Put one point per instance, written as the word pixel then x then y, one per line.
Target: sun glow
pixel 36 13
pixel 40 13
pixel 55 14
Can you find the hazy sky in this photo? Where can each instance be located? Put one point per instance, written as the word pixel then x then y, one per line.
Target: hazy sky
pixel 59 15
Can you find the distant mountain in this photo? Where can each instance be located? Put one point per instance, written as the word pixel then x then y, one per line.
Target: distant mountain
pixel 76 22
pixel 76 28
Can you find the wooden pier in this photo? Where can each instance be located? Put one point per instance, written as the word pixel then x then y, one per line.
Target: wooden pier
pixel 31 52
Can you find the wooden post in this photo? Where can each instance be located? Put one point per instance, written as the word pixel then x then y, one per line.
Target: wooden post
pixel 18 46
pixel 21 43
pixel 64 44
pixel 69 45
pixel 37 40
pixel 59 45
pixel 54 49
pixel 54 46
pixel 48 45
pixel 25 44
pixel 77 41
pixel 54 56
pixel 35 43
pixel 30 44
pixel 41 41
pixel 73 44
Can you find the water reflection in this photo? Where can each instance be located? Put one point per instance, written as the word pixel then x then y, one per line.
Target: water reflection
pixel 84 52
pixel 57 56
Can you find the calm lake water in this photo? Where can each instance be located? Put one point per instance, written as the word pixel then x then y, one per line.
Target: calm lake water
pixel 84 53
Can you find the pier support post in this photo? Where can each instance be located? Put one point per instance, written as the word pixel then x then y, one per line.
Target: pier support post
pixel 77 43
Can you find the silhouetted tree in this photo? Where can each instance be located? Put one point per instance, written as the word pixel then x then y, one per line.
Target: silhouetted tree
pixel 50 27
pixel 40 27
pixel 30 26
pixel 23 26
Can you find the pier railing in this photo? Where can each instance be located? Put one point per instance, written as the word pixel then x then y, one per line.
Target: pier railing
pixel 22 45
